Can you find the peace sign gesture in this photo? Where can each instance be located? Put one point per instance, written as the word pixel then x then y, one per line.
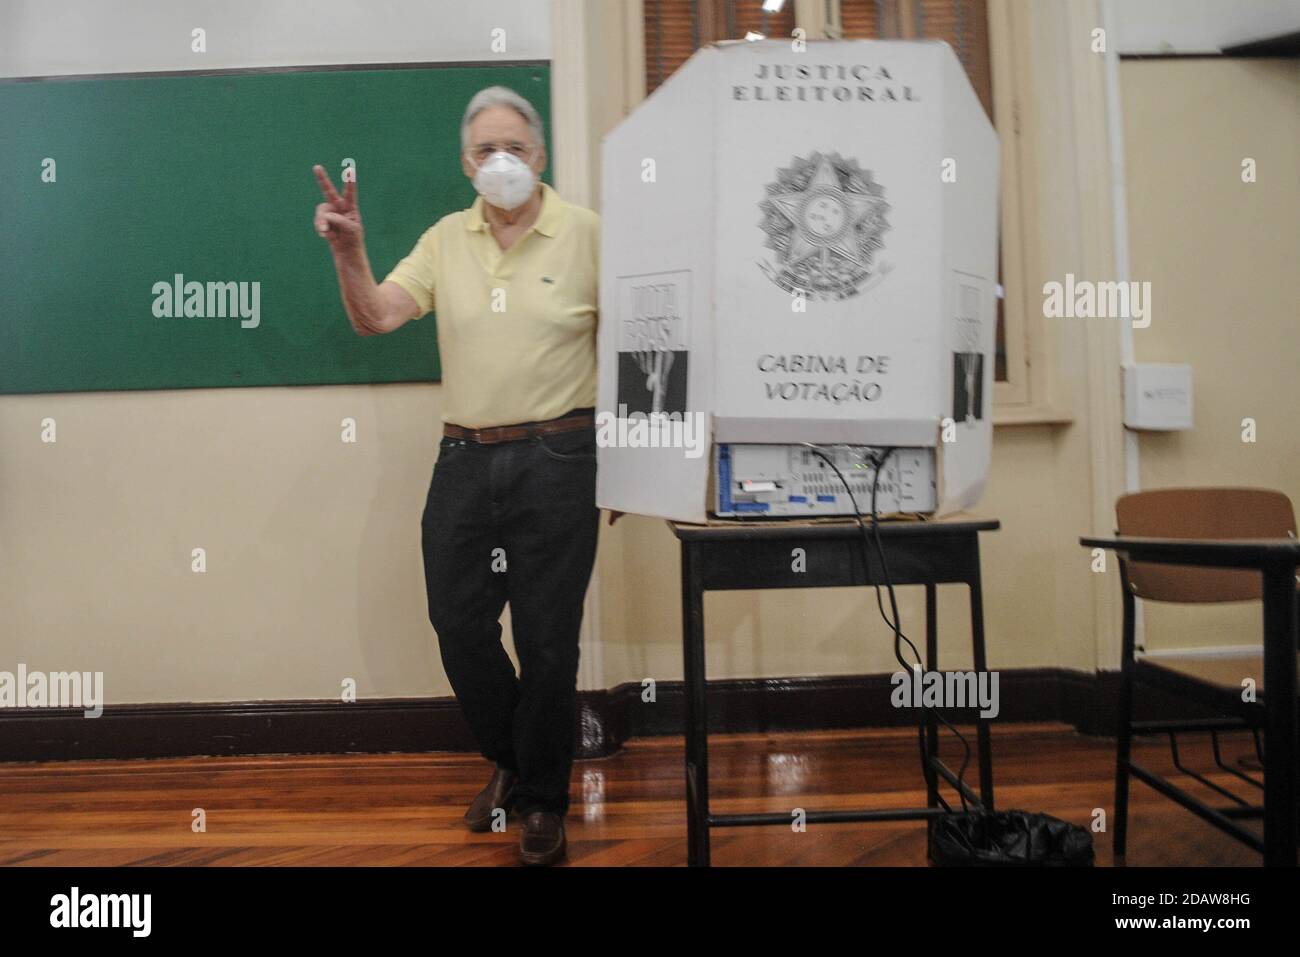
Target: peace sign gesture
pixel 338 219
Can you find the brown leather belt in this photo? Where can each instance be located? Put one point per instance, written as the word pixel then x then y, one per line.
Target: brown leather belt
pixel 514 433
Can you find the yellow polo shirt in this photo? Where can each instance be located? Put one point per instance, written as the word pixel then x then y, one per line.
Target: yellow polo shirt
pixel 516 328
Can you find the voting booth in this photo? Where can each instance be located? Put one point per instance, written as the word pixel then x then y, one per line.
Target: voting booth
pixel 799 248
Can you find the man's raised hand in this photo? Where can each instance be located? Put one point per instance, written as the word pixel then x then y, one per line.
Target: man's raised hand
pixel 337 219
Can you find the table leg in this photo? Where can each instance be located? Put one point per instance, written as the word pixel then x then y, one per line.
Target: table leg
pixel 981 665
pixel 931 721
pixel 930 749
pixel 697 719
pixel 1280 770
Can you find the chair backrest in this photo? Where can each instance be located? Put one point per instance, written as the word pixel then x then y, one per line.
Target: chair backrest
pixel 1201 513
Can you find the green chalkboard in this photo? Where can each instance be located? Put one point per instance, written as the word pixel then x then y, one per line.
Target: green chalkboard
pixel 209 177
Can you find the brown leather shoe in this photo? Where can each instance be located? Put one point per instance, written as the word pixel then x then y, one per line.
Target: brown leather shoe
pixel 495 795
pixel 542 840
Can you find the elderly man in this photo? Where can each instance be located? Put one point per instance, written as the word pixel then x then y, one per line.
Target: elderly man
pixel 510 514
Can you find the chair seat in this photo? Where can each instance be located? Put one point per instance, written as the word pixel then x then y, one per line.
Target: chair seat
pixel 1215 680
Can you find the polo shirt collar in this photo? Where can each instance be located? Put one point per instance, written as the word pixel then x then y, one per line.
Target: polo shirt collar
pixel 548 217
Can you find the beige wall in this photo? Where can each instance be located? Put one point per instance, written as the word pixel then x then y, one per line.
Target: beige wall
pixel 1223 259
pixel 313 545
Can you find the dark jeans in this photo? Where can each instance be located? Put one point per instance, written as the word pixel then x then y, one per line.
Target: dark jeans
pixel 517 522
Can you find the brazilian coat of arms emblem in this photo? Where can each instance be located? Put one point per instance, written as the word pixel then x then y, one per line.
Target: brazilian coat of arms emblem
pixel 824 218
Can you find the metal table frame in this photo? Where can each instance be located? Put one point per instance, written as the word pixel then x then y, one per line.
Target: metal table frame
pixel 745 556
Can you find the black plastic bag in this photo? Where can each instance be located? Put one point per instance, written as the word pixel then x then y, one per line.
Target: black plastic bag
pixel 1008 839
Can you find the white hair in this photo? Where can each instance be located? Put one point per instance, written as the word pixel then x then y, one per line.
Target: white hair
pixel 501 96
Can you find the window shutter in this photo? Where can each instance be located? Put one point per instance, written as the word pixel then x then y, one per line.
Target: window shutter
pixel 962 23
pixel 674 29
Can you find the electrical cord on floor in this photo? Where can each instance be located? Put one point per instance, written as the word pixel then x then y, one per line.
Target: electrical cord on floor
pixel 878 463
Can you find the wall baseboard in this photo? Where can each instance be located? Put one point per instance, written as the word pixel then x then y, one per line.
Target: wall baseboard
pixel 606 719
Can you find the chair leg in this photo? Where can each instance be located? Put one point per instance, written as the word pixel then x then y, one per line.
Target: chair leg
pixel 1124 742
pixel 1122 752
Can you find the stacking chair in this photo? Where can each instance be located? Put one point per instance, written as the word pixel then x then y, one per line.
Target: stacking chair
pixel 1212 683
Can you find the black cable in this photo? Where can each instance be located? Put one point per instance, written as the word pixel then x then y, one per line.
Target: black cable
pixel 878 464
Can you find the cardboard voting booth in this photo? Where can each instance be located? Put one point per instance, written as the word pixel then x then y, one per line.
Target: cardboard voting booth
pixel 798 247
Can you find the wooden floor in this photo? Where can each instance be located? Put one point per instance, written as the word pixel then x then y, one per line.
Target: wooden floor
pixel 628 809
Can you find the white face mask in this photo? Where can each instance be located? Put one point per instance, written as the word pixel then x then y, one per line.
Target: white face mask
pixel 505 181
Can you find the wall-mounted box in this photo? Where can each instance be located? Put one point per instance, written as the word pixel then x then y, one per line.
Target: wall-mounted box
pixel 1158 396
pixel 800 247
